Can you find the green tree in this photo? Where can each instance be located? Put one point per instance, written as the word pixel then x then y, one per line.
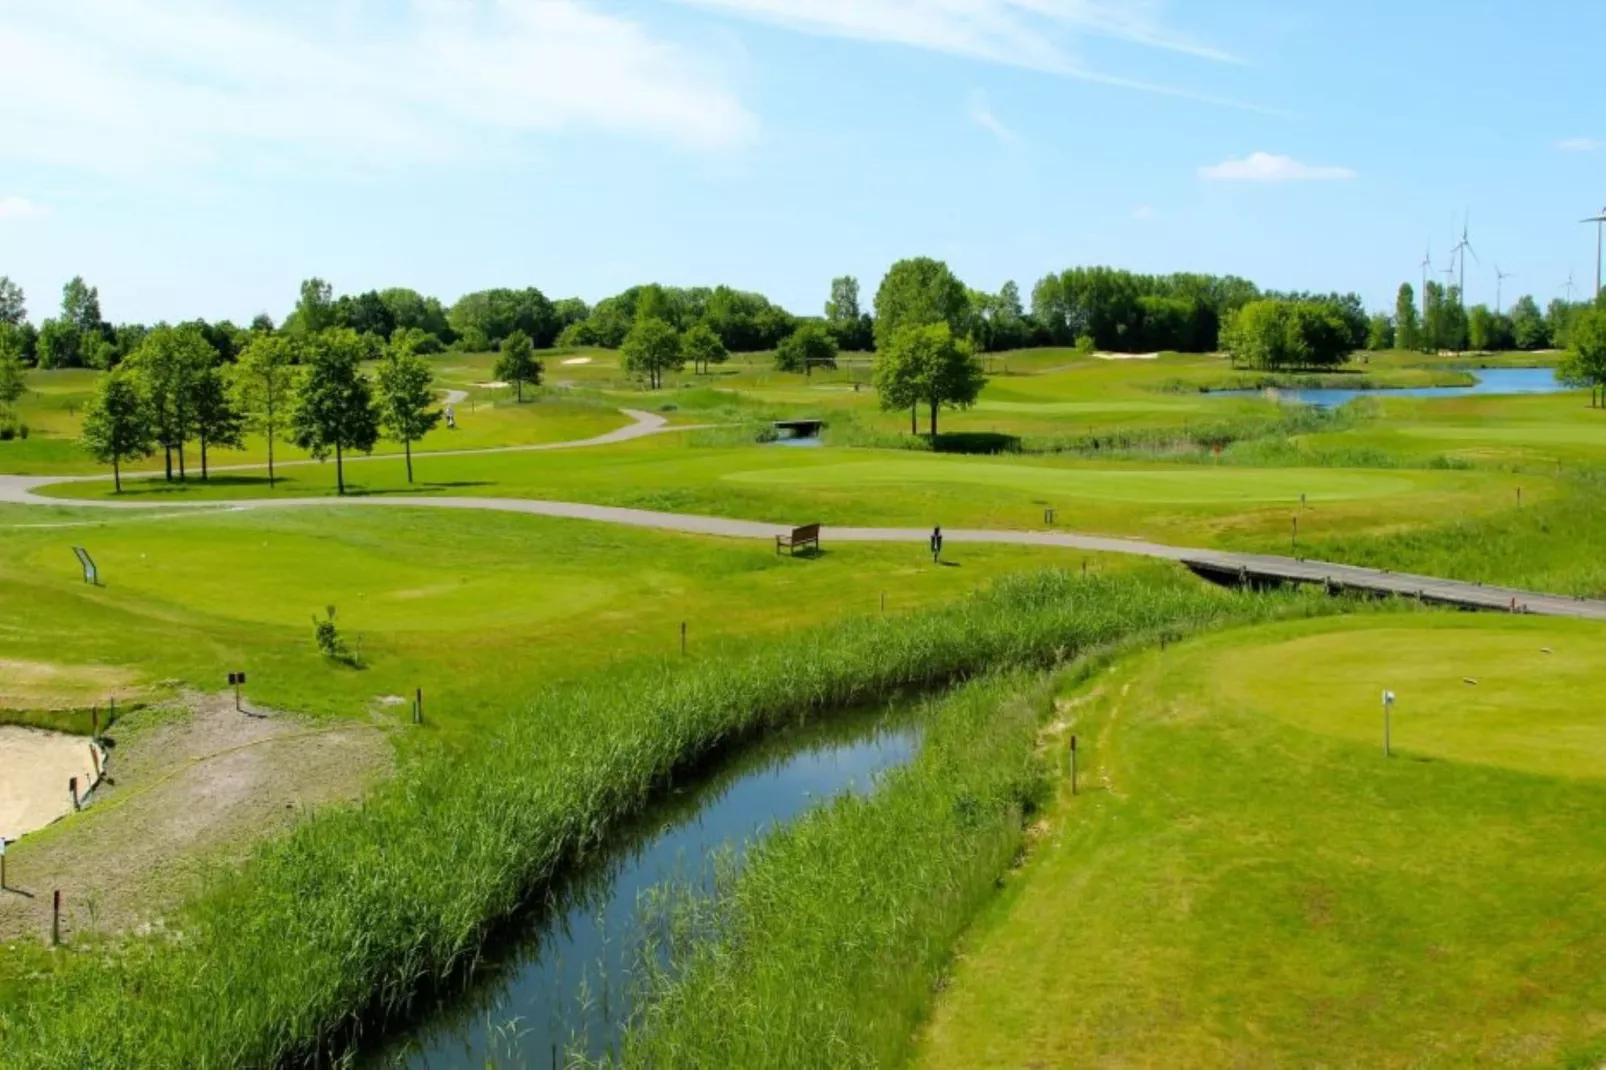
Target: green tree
pixel 702 347
pixel 928 365
pixel 416 340
pixel 1480 327
pixel 407 399
pixel 264 382
pixel 58 345
pixel 918 293
pixel 651 348
pixel 1275 334
pixel 80 305
pixel 1585 362
pixel 13 303
pixel 315 310
pixel 334 410
pixel 1407 322
pixel 168 364
pixel 1529 331
pixel 12 384
pixel 809 346
pixel 1381 335
pixel 117 424
pixel 517 364
pixel 219 418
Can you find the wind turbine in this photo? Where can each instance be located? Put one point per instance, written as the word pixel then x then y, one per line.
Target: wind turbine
pixel 1598 220
pixel 1569 287
pixel 1427 265
pixel 1500 287
pixel 1466 247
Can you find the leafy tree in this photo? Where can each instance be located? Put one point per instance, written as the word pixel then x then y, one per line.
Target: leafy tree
pixel 1382 334
pixel 407 399
pixel 651 348
pixel 702 347
pixel 1585 362
pixel 918 293
pixel 262 323
pixel 811 344
pixel 315 311
pixel 13 303
pixel 264 382
pixel 473 340
pixel 517 363
pixel 334 410
pixel 21 339
pixel 410 309
pixel 12 384
pixel 927 364
pixel 1407 323
pixel 1559 316
pixel 168 364
pixel 848 323
pixel 80 305
pixel 59 345
pixel 578 335
pixel 498 313
pixel 1276 334
pixel 219 418
pixel 416 340
pixel 117 424
pixel 366 314
pixel 1480 327
pixel 570 310
pixel 1529 331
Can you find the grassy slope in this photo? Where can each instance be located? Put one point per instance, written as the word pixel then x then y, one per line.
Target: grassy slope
pixel 1247 881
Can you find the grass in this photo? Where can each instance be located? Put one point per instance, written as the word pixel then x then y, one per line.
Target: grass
pixel 478 614
pixel 343 921
pixel 1248 881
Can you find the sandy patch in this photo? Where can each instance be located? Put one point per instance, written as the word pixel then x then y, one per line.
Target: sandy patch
pixel 42 685
pixel 577 360
pixel 34 769
pixel 1127 356
pixel 494 385
pixel 182 794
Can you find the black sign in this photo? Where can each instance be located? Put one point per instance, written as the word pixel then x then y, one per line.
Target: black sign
pixel 236 678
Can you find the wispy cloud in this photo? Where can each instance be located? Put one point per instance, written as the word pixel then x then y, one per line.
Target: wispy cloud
pixel 1143 213
pixel 1581 144
pixel 1265 167
pixel 14 207
pixel 981 113
pixel 1037 34
pixel 153 83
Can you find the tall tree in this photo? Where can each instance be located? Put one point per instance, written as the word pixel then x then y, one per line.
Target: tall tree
pixel 843 307
pixel 1529 331
pixel 80 305
pixel 407 409
pixel 59 345
pixel 335 411
pixel 1585 362
pixel 219 419
pixel 12 384
pixel 117 424
pixel 1407 323
pixel 168 364
pixel 702 347
pixel 264 381
pixel 928 364
pixel 13 304
pixel 1480 327
pixel 517 364
pixel 809 346
pixel 1382 334
pixel 315 311
pixel 918 293
pixel 651 348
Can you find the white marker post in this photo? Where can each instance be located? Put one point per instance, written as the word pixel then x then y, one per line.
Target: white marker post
pixel 2 863
pixel 1388 708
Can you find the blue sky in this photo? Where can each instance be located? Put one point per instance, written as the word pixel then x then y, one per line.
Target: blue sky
pixel 200 157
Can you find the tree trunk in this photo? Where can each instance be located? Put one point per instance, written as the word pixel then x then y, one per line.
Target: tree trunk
pixel 270 456
pixel 182 477
pixel 518 393
pixel 914 419
pixel 117 475
pixel 203 459
pixel 407 447
pixel 934 406
pixel 167 451
pixel 340 471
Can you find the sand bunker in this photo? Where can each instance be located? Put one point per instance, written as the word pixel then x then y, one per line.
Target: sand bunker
pixel 496 385
pixel 578 360
pixel 34 769
pixel 1127 356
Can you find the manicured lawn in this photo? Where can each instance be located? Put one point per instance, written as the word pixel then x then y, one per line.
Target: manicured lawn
pixel 1245 880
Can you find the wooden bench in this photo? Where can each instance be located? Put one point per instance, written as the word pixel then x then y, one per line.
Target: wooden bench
pixel 807 535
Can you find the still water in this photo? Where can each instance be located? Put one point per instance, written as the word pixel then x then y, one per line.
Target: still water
pixel 1490 381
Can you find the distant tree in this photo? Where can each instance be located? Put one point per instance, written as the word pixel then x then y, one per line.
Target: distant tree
pixel 498 313
pixel 1585 362
pixel 97 351
pixel 928 365
pixel 578 335
pixel 809 346
pixel 1382 335
pixel 22 339
pixel 847 321
pixel 365 313
pixel 168 364
pixel 1480 327
pixel 1457 326
pixel 1276 334
pixel 701 346
pixel 12 384
pixel 264 382
pixel 335 411
pixel 117 424
pixel 13 303
pixel 416 340
pixel 262 323
pixel 58 345
pixel 517 363
pixel 569 311
pixel 1407 323
pixel 1559 316
pixel 80 305
pixel 1529 331
pixel 219 418
pixel 127 338
pixel 407 399
pixel 411 309
pixel 651 348
pixel 315 311
pixel 918 293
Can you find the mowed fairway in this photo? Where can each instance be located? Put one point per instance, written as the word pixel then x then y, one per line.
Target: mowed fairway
pixel 1245 880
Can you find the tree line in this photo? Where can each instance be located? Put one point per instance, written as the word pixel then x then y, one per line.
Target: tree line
pixel 1442 322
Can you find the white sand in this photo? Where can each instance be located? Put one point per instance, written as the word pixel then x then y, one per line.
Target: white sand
pixel 497 385
pixel 34 769
pixel 1127 356
pixel 578 360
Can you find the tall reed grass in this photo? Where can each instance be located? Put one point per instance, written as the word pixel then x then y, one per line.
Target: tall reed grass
pixel 337 928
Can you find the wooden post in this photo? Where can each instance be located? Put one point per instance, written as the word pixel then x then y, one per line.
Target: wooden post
pixel 2 863
pixel 55 919
pixel 883 603
pixel 1073 765
pixel 418 706
pixel 72 786
pixel 1296 538
pixel 682 638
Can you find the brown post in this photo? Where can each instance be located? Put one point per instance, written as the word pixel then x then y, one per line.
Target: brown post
pixel 418 707
pixel 1073 765
pixel 72 786
pixel 55 919
pixel 682 638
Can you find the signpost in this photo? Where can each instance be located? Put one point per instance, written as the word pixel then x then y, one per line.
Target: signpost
pixel 2 863
pixel 236 679
pixel 1073 765
pixel 91 573
pixel 1388 708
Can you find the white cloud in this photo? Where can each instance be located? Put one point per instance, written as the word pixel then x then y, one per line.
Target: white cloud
pixel 1264 167
pixel 981 113
pixel 114 84
pixel 13 207
pixel 1581 144
pixel 1036 34
pixel 1143 213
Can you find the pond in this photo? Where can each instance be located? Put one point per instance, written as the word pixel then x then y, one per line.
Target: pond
pixel 565 980
pixel 1490 381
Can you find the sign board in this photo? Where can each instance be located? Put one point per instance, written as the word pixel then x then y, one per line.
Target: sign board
pixel 2 846
pixel 236 679
pixel 91 574
pixel 1388 698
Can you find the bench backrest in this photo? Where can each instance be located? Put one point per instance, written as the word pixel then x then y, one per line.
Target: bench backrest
pixel 806 532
